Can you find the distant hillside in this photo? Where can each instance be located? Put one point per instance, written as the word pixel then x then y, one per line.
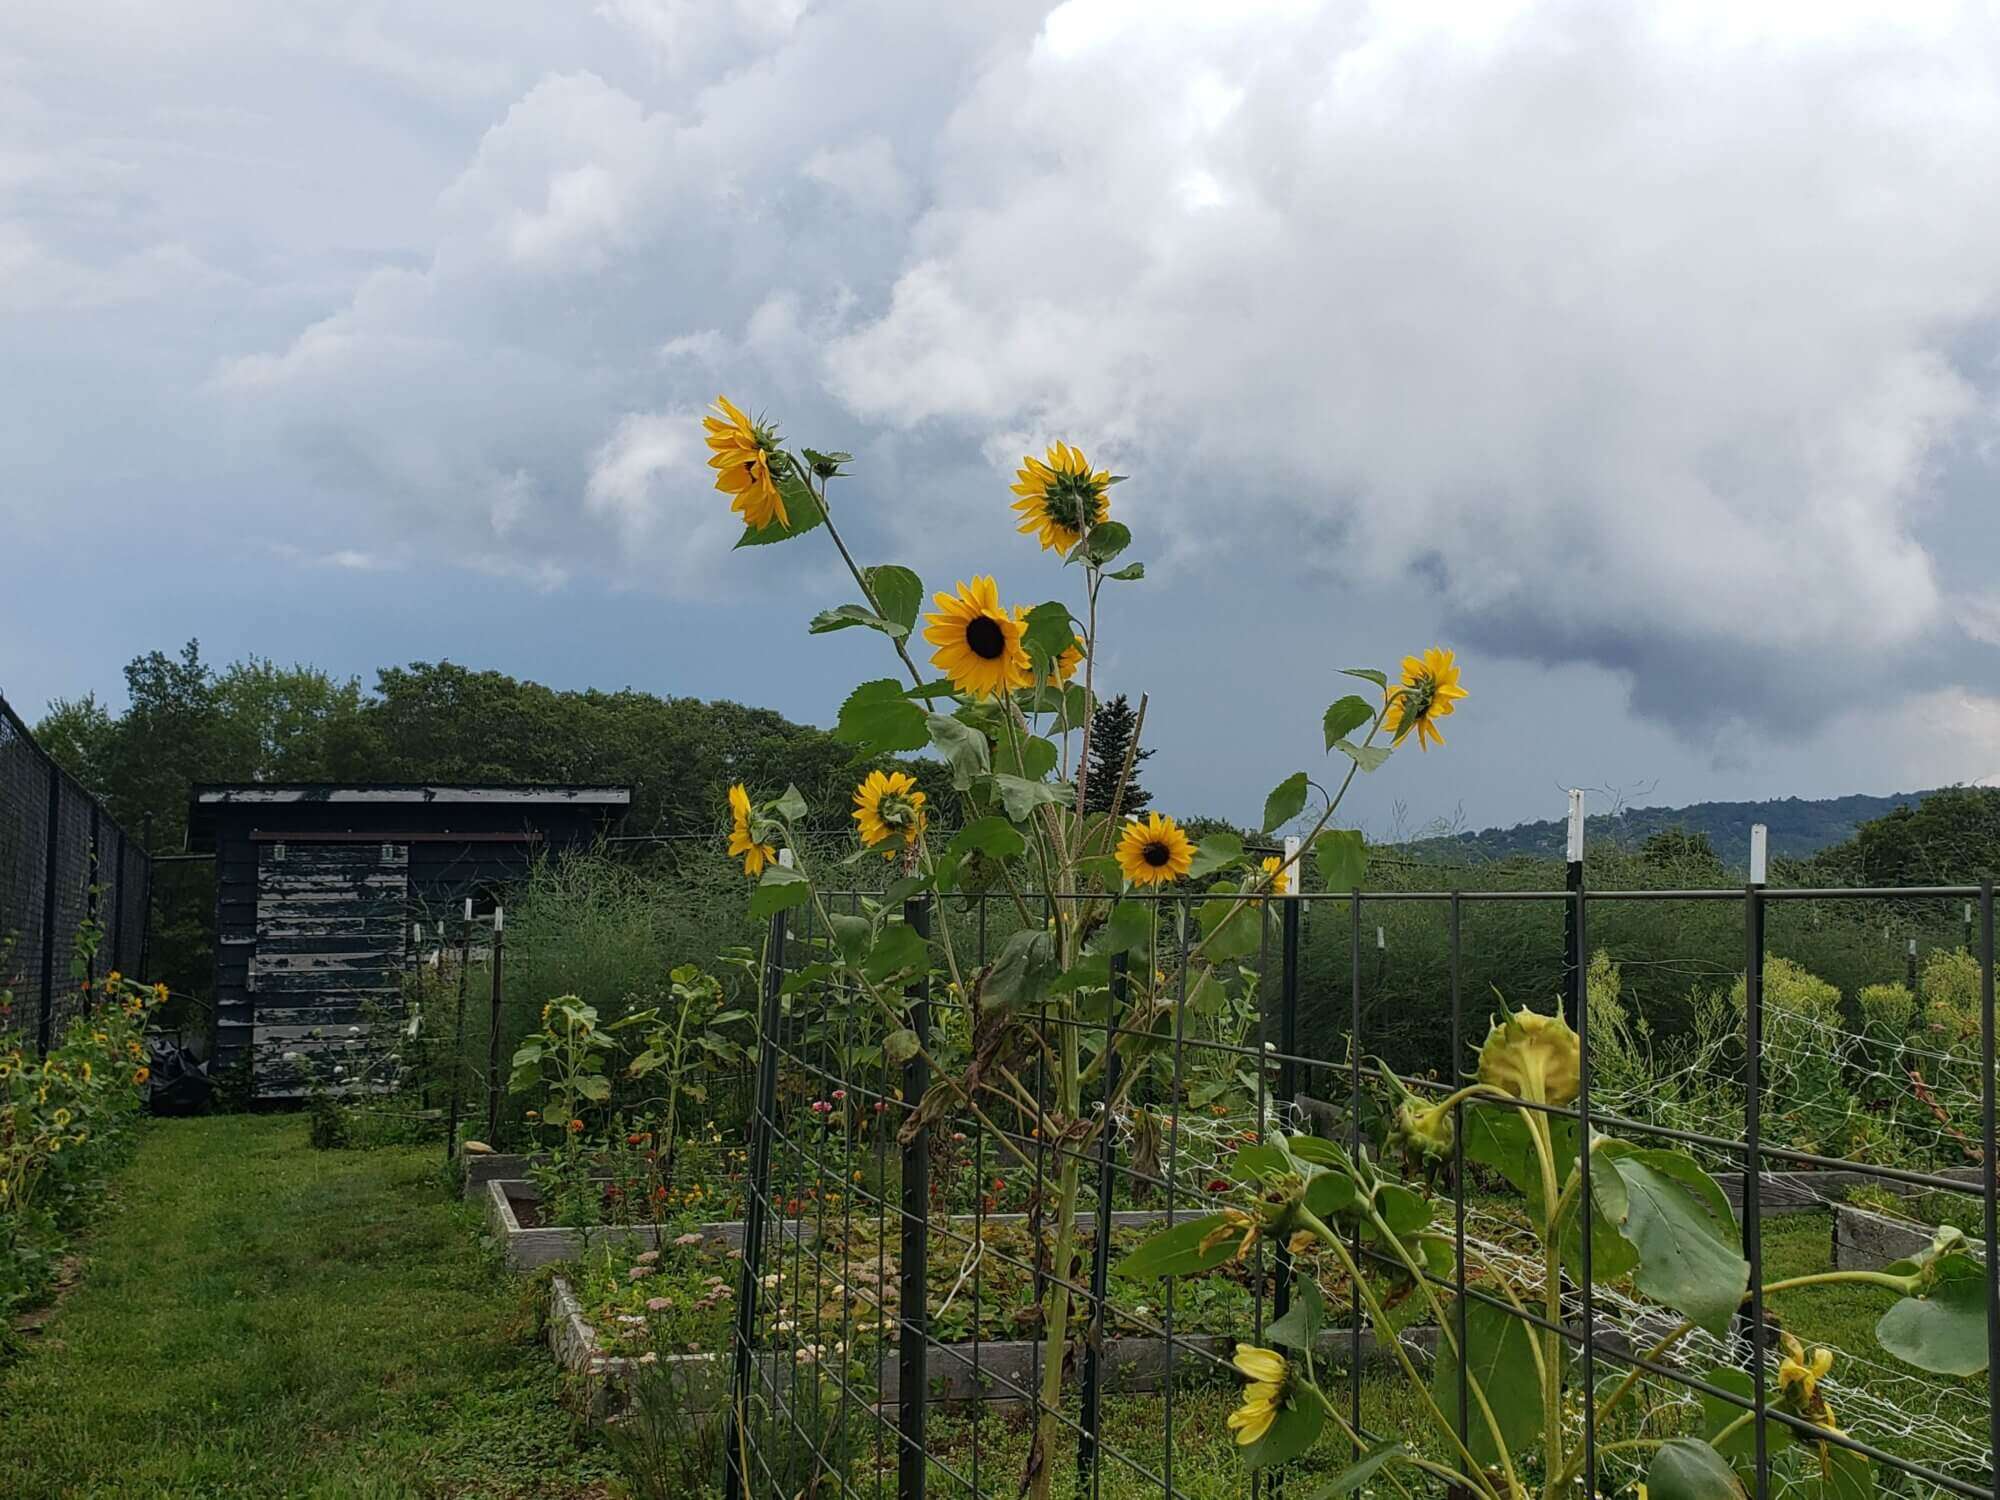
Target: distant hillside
pixel 1799 827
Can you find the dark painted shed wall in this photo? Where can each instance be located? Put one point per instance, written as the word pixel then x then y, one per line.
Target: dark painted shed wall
pixel 442 871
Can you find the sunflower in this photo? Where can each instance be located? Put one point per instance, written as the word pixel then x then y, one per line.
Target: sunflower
pixel 1061 497
pixel 890 810
pixel 1427 693
pixel 741 841
pixel 742 461
pixel 978 641
pixel 140 1075
pixel 1154 851
pixel 1267 1372
pixel 1279 876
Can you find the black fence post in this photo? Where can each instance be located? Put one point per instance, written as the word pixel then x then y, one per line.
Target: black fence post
pixel 458 1035
pixel 1753 1081
pixel 1100 1248
pixel 1991 1144
pixel 50 874
pixel 1573 982
pixel 735 1440
pixel 118 904
pixel 1288 1049
pixel 913 1342
pixel 493 1030
pixel 1580 999
pixel 146 899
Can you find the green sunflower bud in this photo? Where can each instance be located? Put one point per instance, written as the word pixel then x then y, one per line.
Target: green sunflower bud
pixel 1533 1057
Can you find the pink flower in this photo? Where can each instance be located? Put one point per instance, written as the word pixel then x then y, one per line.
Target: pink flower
pixel 840 1093
pixel 657 1304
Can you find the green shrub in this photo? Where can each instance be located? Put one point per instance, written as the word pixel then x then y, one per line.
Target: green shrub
pixel 1807 1102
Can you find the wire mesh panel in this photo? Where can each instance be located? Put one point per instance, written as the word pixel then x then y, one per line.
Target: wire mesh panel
pixel 947 1290
pixel 24 847
pixel 66 868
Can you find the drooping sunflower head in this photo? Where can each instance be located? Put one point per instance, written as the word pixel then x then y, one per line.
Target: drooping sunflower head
pixel 978 641
pixel 1154 851
pixel 748 464
pixel 1533 1057
pixel 1269 1375
pixel 1427 693
pixel 743 843
pixel 890 811
pixel 1061 497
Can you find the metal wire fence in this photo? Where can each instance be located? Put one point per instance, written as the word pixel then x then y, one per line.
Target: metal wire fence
pixel 65 866
pixel 896 1250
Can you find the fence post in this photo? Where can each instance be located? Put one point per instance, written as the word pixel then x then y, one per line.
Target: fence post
pixel 1580 1000
pixel 53 857
pixel 912 1343
pixel 1100 1249
pixel 493 1030
pixel 1753 1079
pixel 146 900
pixel 1288 1041
pixel 736 1476
pixel 1572 910
pixel 118 906
pixel 458 1034
pixel 1988 1023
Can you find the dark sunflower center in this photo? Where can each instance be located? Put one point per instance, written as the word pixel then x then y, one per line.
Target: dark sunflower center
pixel 1155 854
pixel 985 638
pixel 1069 499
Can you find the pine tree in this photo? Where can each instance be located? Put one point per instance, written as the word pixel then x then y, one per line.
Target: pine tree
pixel 1111 729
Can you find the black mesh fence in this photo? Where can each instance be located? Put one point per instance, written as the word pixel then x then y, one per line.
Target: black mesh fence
pixel 897 1279
pixel 67 871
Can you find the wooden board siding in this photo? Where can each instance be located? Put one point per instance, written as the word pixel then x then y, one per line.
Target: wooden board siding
pixel 329 951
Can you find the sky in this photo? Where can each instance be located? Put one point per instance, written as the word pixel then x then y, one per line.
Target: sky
pixel 1644 355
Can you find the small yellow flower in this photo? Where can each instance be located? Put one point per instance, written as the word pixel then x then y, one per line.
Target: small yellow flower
pixel 1242 1227
pixel 86 1071
pixel 1428 692
pixel 1060 496
pixel 1533 1057
pixel 742 842
pixel 890 811
pixel 743 452
pixel 1154 851
pixel 61 1117
pixel 1278 873
pixel 1267 1372
pixel 113 977
pixel 978 641
pixel 140 1075
pixel 1799 1378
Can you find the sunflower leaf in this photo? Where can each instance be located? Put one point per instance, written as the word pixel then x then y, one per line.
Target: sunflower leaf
pixel 1228 930
pixel 1215 852
pixel 791 806
pixel 1022 974
pixel 991 836
pixel 1366 674
pixel 1130 573
pixel 1342 856
pixel 1368 757
pixel 877 719
pixel 780 889
pixel 960 744
pixel 842 616
pixel 1106 540
pixel 1286 802
pixel 1295 1430
pixel 1346 716
pixel 1051 631
pixel 1021 796
pixel 898 592
pixel 802 514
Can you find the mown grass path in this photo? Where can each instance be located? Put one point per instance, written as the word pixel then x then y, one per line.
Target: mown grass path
pixel 257 1318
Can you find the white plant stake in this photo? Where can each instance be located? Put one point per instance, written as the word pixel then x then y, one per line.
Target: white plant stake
pixel 1760 844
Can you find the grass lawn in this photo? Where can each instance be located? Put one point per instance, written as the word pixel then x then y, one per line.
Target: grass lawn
pixel 257 1318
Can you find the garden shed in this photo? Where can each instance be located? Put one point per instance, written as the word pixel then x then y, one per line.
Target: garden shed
pixel 318 890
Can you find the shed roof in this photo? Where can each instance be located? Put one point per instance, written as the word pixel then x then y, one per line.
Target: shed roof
pixel 209 798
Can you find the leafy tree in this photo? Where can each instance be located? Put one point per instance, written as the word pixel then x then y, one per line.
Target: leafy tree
pixel 1111 731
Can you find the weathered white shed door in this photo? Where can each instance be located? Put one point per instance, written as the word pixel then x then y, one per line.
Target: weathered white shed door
pixel 329 958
